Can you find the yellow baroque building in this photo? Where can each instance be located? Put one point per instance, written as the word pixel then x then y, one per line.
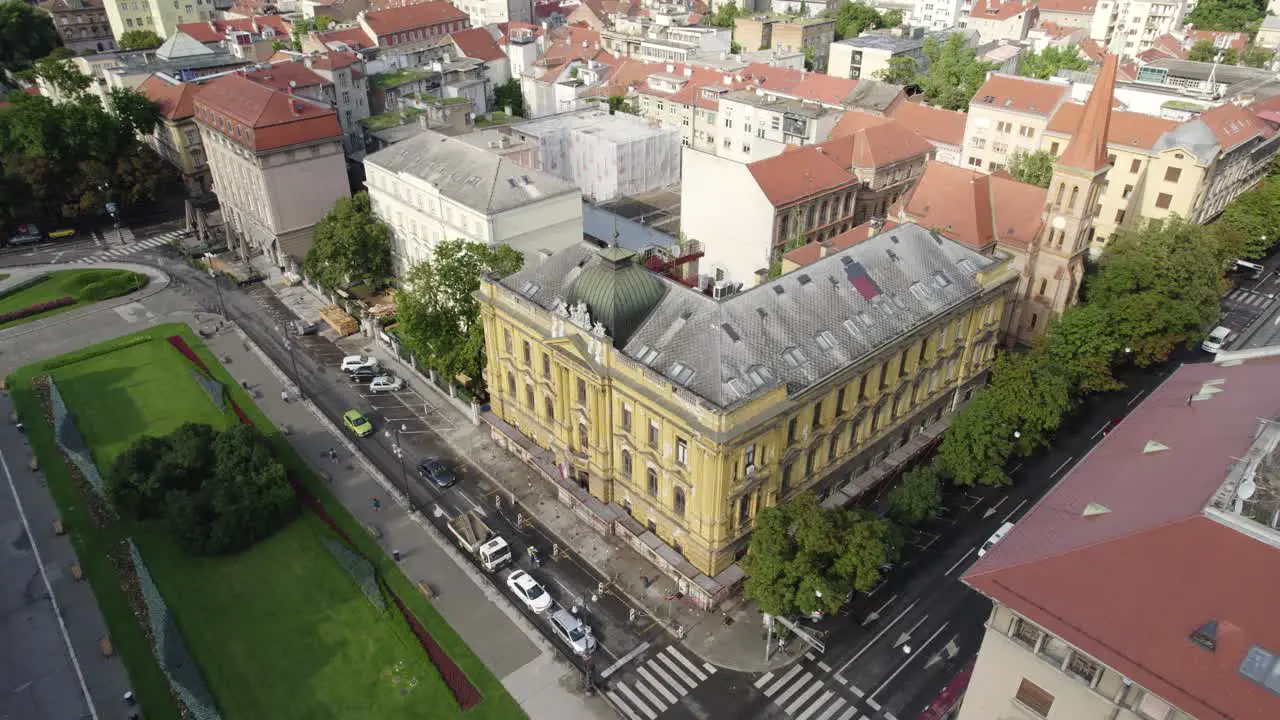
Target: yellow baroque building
pixel 688 414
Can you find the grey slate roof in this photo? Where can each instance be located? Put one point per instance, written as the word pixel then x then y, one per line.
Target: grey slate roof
pixel 1193 136
pixel 734 348
pixel 469 175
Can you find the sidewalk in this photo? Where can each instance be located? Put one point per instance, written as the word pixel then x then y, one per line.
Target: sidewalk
pixel 509 646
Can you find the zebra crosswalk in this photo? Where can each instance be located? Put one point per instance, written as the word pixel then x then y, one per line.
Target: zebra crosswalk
pixel 119 252
pixel 1248 298
pixel 805 693
pixel 658 684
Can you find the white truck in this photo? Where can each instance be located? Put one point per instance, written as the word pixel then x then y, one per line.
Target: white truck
pixel 480 540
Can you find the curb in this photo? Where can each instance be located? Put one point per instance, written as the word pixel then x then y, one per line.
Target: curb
pixel 153 287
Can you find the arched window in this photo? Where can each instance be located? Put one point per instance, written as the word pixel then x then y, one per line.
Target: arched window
pixel 1062 188
pixel 583 436
pixel 1044 285
pixel 677 501
pixel 652 476
pixel 511 383
pixel 1075 191
pixel 528 395
pixel 626 464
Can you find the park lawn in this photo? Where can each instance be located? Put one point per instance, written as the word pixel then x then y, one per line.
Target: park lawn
pixel 278 631
pixel 59 284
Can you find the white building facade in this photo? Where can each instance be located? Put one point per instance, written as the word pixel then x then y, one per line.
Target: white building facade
pixel 1127 27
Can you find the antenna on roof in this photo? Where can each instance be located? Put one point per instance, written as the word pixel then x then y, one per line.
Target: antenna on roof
pixel 613 242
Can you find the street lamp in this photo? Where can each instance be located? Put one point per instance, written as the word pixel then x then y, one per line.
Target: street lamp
pixel 398 451
pixel 213 275
pixel 288 345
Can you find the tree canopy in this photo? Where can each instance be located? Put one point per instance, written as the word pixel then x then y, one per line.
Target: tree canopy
pixel 805 558
pixel 350 245
pixel 140 40
pixel 62 75
pixel 1033 168
pixel 955 73
pixel 724 16
pixel 917 497
pixel 509 95
pixel 1256 56
pixel 854 18
pixel 1046 63
pixel 901 70
pixel 1255 215
pixel 1229 15
pixel 26 35
pixel 215 492
pixel 439 319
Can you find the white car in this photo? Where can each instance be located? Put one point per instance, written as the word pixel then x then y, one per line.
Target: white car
pixel 351 363
pixel 386 383
pixel 529 591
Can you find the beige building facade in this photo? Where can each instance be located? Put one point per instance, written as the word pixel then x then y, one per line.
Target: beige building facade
pixel 1007 115
pixel 159 16
pixel 810 35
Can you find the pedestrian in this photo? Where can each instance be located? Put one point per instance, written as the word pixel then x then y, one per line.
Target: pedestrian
pixel 284 396
pixel 376 503
pixel 395 555
pixel 333 455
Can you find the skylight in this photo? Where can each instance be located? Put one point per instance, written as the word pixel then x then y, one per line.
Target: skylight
pixel 737 386
pixel 826 340
pixel 852 327
pixel 760 375
pixel 919 290
pixel 681 373
pixel 529 289
pixel 794 357
pixel 941 280
pixel 646 355
pixel 731 332
pixel 1260 666
pixel 803 279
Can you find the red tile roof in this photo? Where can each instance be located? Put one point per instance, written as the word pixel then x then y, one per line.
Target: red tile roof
pixel 1019 94
pixel 1232 125
pixel 478 44
pixel 413 17
pixel 1093 50
pixel 276 119
pixel 216 30
pixel 1129 585
pixel 1087 148
pixel 935 124
pixel 333 60
pixel 1129 129
pixel 354 38
pixel 793 176
pixel 286 75
pixel 551 8
pixel 176 100
pixel 975 208
pixel 506 27
pixel 875 143
pixel 812 252
pixel 998 9
pixel 1237 41
pixel 1068 6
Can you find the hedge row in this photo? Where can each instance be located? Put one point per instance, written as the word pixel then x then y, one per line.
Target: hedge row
pixel 92 352
pixel 112 286
pixel 28 283
pixel 36 309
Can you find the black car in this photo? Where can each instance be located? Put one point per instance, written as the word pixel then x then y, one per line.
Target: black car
pixel 434 472
pixel 363 375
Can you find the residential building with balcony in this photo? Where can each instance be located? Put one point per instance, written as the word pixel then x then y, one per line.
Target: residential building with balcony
pixel 761 32
pixel 158 16
pixel 672 418
pixel 1008 114
pixel 277 164
pixel 431 188
pixel 253 38
pixel 489 12
pixel 758 124
pixel 82 25
pixel 746 215
pixel 332 78
pixel 937 15
pixel 177 138
pixel 1140 586
pixel 1001 19
pixel 1127 27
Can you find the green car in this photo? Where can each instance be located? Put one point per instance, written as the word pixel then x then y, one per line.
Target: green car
pixel 356 423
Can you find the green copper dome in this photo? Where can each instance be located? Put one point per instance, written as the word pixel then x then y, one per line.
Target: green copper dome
pixel 618 293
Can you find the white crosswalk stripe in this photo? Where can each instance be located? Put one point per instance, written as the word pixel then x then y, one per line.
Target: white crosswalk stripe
pixel 658 684
pixel 119 251
pixel 807 694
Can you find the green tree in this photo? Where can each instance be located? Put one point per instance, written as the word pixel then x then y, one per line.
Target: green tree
pixel 437 313
pixel 62 75
pixel 809 55
pixel 805 558
pixel 852 18
pixel 350 245
pixel 1229 15
pixel 978 444
pixel 917 497
pixel 901 70
pixel 26 34
pixel 508 94
pixel 140 40
pixel 891 19
pixel 1161 286
pixel 724 16
pixel 1033 168
pixel 1036 391
pixel 1046 64
pixel 1255 56
pixel 1085 344
pixel 1203 51
pixel 955 73
pixel 1255 215
pixel 618 103
pixel 136 113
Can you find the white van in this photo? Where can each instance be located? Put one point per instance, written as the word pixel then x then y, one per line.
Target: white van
pixel 1217 340
pixel 996 537
pixel 1253 270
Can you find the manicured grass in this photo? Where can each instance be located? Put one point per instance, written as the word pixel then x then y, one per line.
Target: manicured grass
pixel 79 284
pixel 278 631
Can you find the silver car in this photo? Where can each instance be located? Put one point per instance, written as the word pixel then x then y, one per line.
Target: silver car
pixel 575 633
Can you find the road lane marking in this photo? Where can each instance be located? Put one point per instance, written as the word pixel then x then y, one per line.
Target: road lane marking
pixel 677 655
pixel 848 713
pixel 682 675
pixel 764 679
pixel 810 656
pixel 878 636
pixel 617 702
pixel 657 685
pixel 657 670
pixel 825 667
pixel 822 700
pixel 835 707
pixel 873 704
pixel 782 681
pixel 802 698
pixel 803 681
pixel 962 559
pixel 903 666
pixel 623 660
pixel 841 679
pixel 653 699
pixel 1014 512
pixel 1064 464
pixel 1135 398
pixel 1101 430
pixel 636 701
pixel 857 691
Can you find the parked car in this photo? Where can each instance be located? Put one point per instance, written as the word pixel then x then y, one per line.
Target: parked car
pixel 573 632
pixel 1244 267
pixel 363 375
pixel 357 423
pixel 355 362
pixel 996 537
pixel 530 592
pixel 26 234
pixel 1217 340
pixel 434 472
pixel 386 383
pixel 304 327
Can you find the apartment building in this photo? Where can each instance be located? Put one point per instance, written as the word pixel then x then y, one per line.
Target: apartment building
pixel 412 23
pixel 758 124
pixel 158 16
pixel 489 12
pixel 1147 599
pixel 1073 14
pixel 432 188
pixel 331 78
pixel 941 127
pixel 254 38
pixel 176 138
pixel 745 215
pixel 82 25
pixel 868 55
pixel 672 418
pixel 937 15
pixel 1008 114
pixel 277 165
pixel 1127 27
pixel 995 20
pixel 811 35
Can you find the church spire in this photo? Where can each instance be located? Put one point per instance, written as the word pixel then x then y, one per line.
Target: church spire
pixel 1088 147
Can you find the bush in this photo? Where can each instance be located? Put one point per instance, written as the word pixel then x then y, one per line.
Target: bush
pixel 36 309
pixel 30 282
pixel 111 286
pixel 214 492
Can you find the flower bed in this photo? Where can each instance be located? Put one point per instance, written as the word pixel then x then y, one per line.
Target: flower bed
pixel 36 309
